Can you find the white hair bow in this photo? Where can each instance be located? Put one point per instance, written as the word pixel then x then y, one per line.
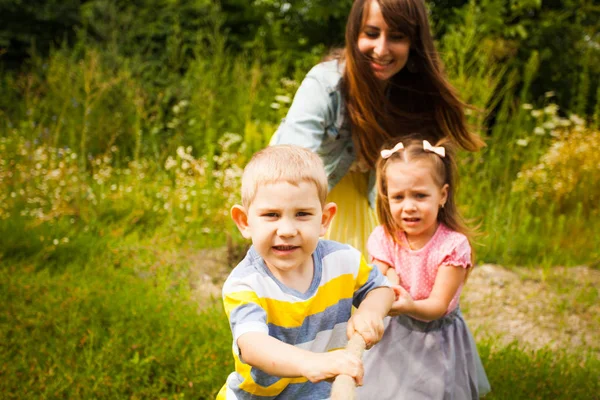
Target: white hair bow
pixel 439 150
pixel 388 153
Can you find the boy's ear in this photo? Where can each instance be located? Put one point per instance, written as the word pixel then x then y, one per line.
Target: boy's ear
pixel 329 211
pixel 239 216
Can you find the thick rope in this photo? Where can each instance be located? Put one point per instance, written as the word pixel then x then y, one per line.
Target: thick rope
pixel 344 386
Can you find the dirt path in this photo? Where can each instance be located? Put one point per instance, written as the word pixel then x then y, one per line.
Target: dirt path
pixel 555 307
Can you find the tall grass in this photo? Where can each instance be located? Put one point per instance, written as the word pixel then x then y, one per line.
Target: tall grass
pixel 95 110
pixel 515 229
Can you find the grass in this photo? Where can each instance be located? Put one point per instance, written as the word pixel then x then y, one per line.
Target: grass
pixel 101 331
pixel 515 373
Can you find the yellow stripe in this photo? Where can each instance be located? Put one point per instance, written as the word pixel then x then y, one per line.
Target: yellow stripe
pixel 222 395
pixel 236 299
pixel 364 270
pixel 292 315
pixel 248 385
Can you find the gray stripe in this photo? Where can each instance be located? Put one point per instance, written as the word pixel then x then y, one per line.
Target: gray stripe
pixel 313 324
pixel 375 280
pixel 248 312
pixel 305 391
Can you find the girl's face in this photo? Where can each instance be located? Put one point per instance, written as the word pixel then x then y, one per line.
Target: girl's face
pixel 415 199
pixel 387 51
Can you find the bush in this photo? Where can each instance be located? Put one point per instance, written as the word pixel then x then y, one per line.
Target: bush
pixel 566 177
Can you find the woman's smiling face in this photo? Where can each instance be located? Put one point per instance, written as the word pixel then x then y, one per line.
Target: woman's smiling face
pixel 387 51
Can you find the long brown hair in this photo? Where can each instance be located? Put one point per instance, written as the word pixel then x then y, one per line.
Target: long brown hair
pixel 423 100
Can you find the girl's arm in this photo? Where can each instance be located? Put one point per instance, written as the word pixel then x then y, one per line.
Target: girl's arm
pixel 387 271
pixel 447 281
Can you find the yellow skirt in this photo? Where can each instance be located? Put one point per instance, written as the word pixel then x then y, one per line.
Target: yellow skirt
pixel 354 220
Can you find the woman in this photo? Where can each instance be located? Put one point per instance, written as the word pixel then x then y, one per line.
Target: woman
pixel 387 82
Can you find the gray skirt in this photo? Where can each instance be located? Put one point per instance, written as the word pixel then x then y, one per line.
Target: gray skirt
pixel 424 360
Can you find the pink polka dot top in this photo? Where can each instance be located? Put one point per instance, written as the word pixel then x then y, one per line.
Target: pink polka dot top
pixel 417 269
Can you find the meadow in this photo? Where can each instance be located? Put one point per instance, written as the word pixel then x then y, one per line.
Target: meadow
pixel 113 191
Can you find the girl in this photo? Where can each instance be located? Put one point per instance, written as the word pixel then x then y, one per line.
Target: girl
pixel 427 351
pixel 387 82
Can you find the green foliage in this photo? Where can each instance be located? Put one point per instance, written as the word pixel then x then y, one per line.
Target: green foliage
pixel 39 23
pixel 104 333
pixel 566 176
pixel 54 205
pixel 516 373
pixel 122 149
pixel 514 227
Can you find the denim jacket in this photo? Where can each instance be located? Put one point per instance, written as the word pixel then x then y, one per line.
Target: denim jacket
pixel 317 120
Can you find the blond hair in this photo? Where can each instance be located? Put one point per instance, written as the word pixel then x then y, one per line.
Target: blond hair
pixel 283 163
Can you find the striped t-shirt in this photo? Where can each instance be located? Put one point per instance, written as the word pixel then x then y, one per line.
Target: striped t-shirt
pixel 255 301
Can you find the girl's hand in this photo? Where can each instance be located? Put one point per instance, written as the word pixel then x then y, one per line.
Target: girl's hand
pixel 404 302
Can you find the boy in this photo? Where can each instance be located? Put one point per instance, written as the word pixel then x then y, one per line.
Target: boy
pixel 289 301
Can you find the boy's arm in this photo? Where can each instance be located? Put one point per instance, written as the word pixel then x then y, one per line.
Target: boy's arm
pixel 284 360
pixel 368 318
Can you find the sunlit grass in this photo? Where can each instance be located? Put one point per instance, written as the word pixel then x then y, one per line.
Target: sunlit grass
pixel 101 332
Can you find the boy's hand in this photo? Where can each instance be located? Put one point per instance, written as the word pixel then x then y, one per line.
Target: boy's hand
pixel 404 302
pixel 321 366
pixel 368 325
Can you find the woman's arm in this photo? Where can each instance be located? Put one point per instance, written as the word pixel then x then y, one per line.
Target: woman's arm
pixel 309 115
pixel 447 281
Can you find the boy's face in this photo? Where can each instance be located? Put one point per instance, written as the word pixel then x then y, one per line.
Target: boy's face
pixel 285 222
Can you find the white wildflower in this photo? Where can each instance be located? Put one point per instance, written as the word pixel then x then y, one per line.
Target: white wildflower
pixel 522 142
pixel 539 130
pixel 527 106
pixel 182 154
pixel 536 113
pixel 283 99
pixel 170 163
pixel 577 120
pixel 551 109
